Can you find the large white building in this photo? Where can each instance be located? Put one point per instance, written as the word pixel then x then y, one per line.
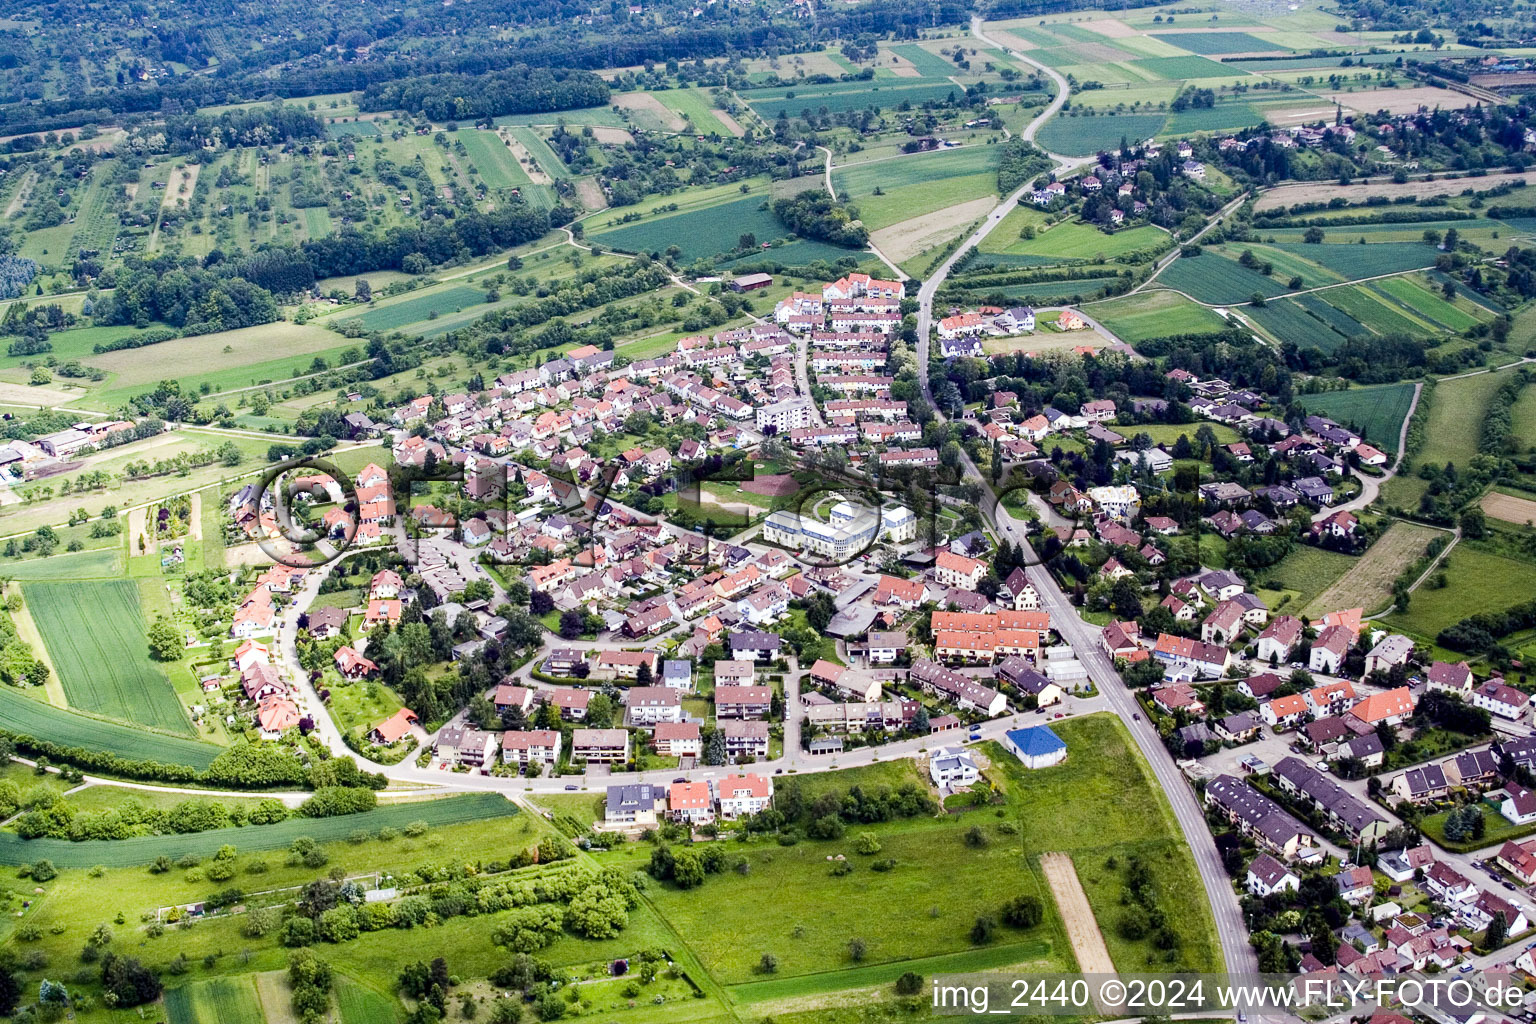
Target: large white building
pixel 790 414
pixel 850 530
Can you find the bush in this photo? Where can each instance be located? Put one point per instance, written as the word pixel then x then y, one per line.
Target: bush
pixel 1023 912
pixel 909 984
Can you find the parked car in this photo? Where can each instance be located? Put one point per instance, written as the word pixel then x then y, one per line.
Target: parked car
pixel 572 788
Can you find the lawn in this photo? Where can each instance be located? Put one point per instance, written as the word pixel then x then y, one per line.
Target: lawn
pixel 357 1003
pixel 1500 829
pixel 24 716
pixel 1154 314
pixel 1081 136
pixel 95 634
pixel 1376 411
pixel 598 117
pixel 144 849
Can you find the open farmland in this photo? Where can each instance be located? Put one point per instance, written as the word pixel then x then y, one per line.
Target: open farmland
pixel 1076 240
pixel 1454 417
pixel 94 632
pixel 1154 314
pixel 839 97
pixel 1217 43
pixel 215 1001
pixel 1212 278
pixel 492 158
pixel 388 316
pixel 144 849
pixel 1295 581
pixel 28 717
pixel 1368 583
pixel 1509 507
pixel 703 232
pixel 1080 136
pixel 1377 411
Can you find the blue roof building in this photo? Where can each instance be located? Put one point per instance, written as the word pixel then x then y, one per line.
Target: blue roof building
pixel 1036 747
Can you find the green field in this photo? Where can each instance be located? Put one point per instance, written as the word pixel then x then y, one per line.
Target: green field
pixel 839 97
pixel 598 117
pixel 492 158
pixel 1154 314
pixel 856 182
pixel 1377 411
pixel 1301 576
pixel 1288 320
pixel 1181 67
pixel 1071 240
pixel 25 716
pixel 1099 803
pixel 73 565
pixel 1476 581
pixel 94 632
pixel 703 232
pixel 215 1001
pixel 1210 277
pixel 144 849
pixel 359 1004
pixel 1453 420
pixel 694 106
pixel 537 148
pixel 422 307
pixel 928 63
pixel 1081 136
pixel 1216 43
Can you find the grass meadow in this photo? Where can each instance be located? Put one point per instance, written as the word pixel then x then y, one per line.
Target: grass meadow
pixel 27 716
pixel 1154 314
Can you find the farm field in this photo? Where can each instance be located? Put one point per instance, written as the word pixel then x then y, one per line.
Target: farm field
pixel 144 849
pixel 493 160
pixel 1377 411
pixel 698 233
pixel 32 717
pixel 94 632
pixel 387 316
pixel 215 1001
pixel 1154 314
pixel 1081 136
pixel 1512 508
pixel 1210 277
pixel 694 107
pixel 1217 43
pixel 1368 583
pixel 839 97
pixel 72 565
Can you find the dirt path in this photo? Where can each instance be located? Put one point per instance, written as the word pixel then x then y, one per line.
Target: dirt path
pixel 1082 929
pixel 522 156
pixel 195 528
pixel 138 526
pixel 19 199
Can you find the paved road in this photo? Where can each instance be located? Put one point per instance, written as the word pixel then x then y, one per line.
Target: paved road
pixel 1084 639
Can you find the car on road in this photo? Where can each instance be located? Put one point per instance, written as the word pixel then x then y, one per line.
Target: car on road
pixel 778 771
pixel 681 778
pixel 572 788
pixel 1510 886
pixel 1323 767
pixel 1060 715
pixel 1136 716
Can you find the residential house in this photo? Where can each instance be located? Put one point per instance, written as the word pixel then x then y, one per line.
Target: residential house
pixel 606 746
